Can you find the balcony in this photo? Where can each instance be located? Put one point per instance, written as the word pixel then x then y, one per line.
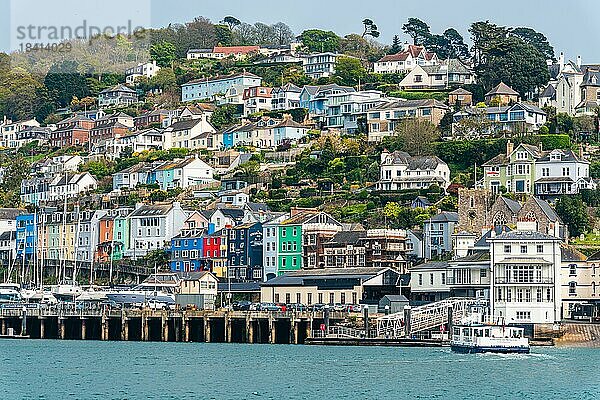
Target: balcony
pixel 514 281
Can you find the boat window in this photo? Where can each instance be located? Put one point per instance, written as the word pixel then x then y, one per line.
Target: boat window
pixel 457 331
pixel 466 332
pixel 486 332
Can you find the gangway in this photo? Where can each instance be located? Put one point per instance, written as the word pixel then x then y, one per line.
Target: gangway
pixel 426 317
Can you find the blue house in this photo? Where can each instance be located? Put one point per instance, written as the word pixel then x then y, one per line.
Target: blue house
pixel 245 252
pixel 26 237
pixel 187 247
pixel 314 98
pixel 437 234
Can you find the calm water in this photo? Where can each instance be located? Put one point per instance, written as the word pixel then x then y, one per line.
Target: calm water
pixel 32 369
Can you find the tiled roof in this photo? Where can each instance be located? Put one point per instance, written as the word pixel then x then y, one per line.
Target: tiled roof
pixel 502 89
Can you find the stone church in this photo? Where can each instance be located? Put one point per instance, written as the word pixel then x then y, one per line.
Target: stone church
pixel 479 211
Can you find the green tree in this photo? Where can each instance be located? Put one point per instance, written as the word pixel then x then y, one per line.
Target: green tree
pixel 456 47
pixel 224 116
pixel 316 40
pixel 396 46
pixel 357 46
pixel 417 136
pixel 224 35
pixel 231 22
pixel 573 213
pixel 536 39
pixel 100 169
pixel 370 28
pixel 64 82
pixel 349 71
pixel 418 30
pixel 163 53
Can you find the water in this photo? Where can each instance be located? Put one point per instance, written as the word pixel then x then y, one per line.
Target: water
pixel 46 369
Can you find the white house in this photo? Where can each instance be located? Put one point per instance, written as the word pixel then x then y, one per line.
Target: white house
pixel 9 129
pixel 288 130
pixel 147 69
pixel 285 97
pixel 319 65
pixel 153 226
pixel 438 77
pixel 71 185
pixel 211 88
pixel 180 134
pixel 405 60
pixel 223 52
pixel 183 173
pixel 257 98
pixel 526 282
pixel 138 174
pixel 400 171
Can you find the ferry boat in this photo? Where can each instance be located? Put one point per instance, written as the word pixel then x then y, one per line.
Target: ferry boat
pixel 487 338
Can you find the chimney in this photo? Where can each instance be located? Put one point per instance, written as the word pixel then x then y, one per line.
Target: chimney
pixel 510 147
pixel 561 61
pixel 579 61
pixel 581 151
pixel 541 147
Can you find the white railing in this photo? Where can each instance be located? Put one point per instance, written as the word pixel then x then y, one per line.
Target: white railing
pixel 426 317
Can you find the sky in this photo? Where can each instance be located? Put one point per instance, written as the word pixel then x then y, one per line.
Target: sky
pixel 570 26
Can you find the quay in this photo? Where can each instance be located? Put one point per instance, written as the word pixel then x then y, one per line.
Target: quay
pixel 165 325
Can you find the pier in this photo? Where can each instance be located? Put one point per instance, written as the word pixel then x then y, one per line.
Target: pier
pixel 165 325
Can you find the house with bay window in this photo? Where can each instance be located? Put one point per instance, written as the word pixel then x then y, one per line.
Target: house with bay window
pixel 401 171
pixel 531 170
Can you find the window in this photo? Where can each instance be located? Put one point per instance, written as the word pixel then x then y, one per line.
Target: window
pixel 331 298
pixel 507 248
pixel 540 248
pixel 523 249
pixel 321 298
pixel 572 288
pixel 343 298
pixel 420 279
pixel 443 278
pixel 298 298
pixel 288 298
pixel 523 315
pixel 572 269
pixel 354 298
pixel 482 273
pixel 309 298
pixel 431 279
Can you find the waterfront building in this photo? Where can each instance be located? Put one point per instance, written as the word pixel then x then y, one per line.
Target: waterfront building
pixel 88 226
pixel 526 284
pixel 187 247
pixel 113 237
pixel 214 249
pixel 332 286
pixel 26 240
pixel 271 246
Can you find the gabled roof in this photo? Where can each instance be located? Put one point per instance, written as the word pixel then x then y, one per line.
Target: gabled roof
pixel 346 237
pixel 184 125
pixel 460 91
pixel 289 123
pixel 453 65
pixel 118 88
pixel 549 92
pixel 416 162
pixel 257 207
pixel 151 210
pixel 445 216
pixel 547 209
pixel 513 205
pixel 502 89
pixel 570 253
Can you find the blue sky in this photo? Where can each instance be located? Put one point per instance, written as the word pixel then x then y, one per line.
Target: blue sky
pixel 570 26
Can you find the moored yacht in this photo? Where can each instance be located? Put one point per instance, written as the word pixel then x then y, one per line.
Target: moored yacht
pixel 159 287
pixel 66 290
pixel 10 293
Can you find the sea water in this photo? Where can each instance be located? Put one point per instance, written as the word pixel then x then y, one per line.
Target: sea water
pixel 48 369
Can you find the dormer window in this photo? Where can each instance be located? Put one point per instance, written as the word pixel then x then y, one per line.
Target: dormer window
pixel 555 156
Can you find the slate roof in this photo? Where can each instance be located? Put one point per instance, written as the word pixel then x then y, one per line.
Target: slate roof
pixel 502 89
pixel 549 92
pixel 257 207
pixel 298 278
pixel 483 241
pixel 460 91
pixel 410 104
pixel 570 253
pixel 513 205
pixel 346 237
pixel 184 125
pixel 289 123
pixel 547 209
pixel 475 256
pixel 11 213
pixel 445 216
pixel 454 66
pixel 524 235
pixel 151 210
pixel 416 162
pixel 118 88
pixel 430 265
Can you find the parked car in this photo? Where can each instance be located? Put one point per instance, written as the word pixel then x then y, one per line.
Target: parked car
pixel 296 307
pixel 268 307
pixel 317 307
pixel 241 305
pixel 254 307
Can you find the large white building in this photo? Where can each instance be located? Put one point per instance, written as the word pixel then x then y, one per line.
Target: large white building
pixel 148 69
pixel 405 60
pixel 319 65
pixel 526 284
pixel 219 87
pixel 401 171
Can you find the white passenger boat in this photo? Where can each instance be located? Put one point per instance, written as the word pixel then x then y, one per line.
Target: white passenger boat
pixel 487 338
